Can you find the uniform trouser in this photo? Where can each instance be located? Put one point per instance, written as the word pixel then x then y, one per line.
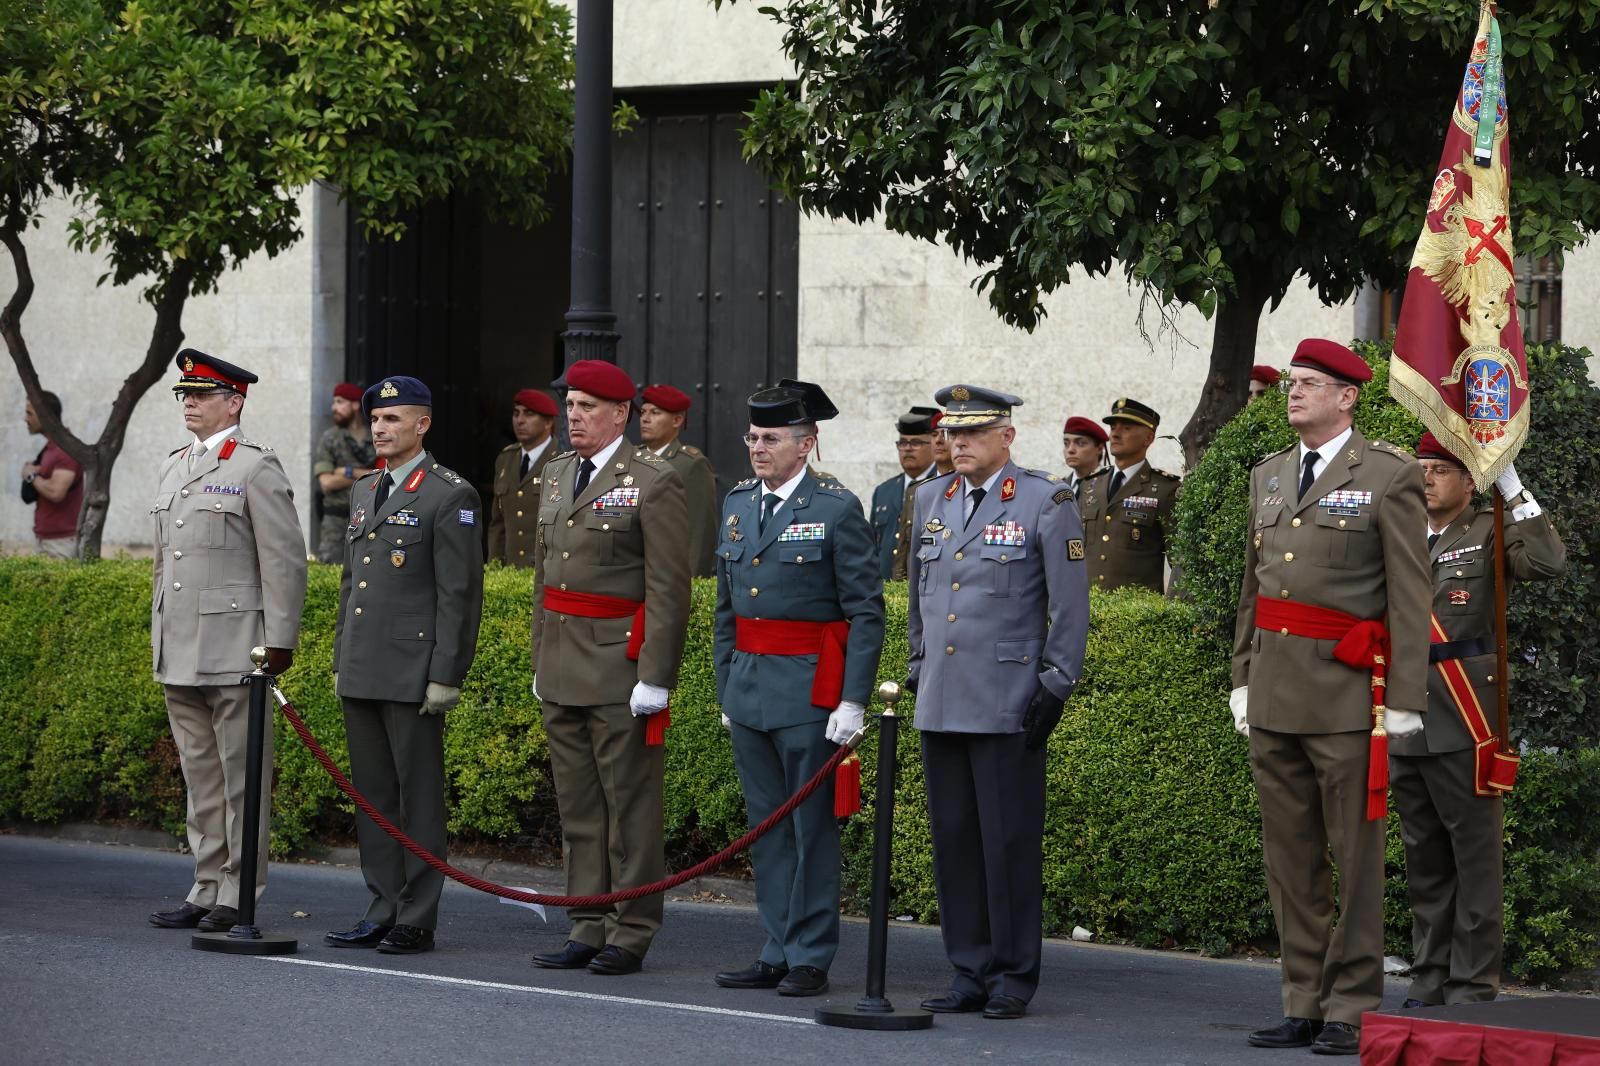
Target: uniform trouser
pixel 986 809
pixel 331 538
pixel 210 725
pixel 797 864
pixel 397 762
pixel 1312 789
pixel 1453 839
pixel 608 792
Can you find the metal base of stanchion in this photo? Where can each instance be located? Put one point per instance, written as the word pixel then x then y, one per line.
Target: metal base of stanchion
pixel 228 944
pixel 853 1017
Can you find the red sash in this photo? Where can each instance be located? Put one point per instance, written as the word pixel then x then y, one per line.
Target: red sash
pixel 1363 645
pixel 825 640
pixel 1494 771
pixel 593 605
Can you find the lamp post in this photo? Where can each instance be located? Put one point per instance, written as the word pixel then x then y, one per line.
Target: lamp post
pixel 591 323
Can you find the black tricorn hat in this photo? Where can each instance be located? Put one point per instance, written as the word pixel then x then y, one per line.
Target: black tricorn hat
pixel 791 403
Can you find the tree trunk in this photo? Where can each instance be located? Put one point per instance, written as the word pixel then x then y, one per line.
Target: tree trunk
pixel 168 298
pixel 1233 352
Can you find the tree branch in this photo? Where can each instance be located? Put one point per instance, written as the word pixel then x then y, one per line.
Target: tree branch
pixel 11 329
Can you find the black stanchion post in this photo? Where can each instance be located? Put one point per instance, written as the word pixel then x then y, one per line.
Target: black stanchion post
pixel 873 1010
pixel 244 938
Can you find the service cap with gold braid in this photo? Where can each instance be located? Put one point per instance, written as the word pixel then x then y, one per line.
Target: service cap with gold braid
pixel 198 371
pixel 1126 410
pixel 972 407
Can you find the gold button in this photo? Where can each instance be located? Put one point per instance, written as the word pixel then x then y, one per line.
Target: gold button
pixel 1285 594
pixel 235 606
pixel 1288 557
pixel 756 561
pixel 217 505
pixel 755 592
pixel 362 585
pixel 562 618
pixel 420 634
pixel 949 650
pixel 185 492
pixel 519 493
pixel 1003 558
pixel 1027 658
pixel 519 514
pixel 1461 573
pixel 1105 536
pixel 1489 678
pixel 372 536
pixel 959 557
pixel 358 610
pixel 521 552
pixel 563 586
pixel 1295 523
pixel 950 618
pixel 366 558
pixel 522 532
pixel 177 555
pixel 799 558
pixel 955 586
pixel 1341 523
pixel 569 523
pixel 1100 577
pixel 399 540
pixel 629 633
pixel 177 586
pixel 1102 559
pixel 179 522
pixel 1108 518
pixel 566 555
pixel 1283 632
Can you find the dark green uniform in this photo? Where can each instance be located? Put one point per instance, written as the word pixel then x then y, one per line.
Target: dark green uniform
pixel 514 515
pixel 337 449
pixel 1127 532
pixel 700 496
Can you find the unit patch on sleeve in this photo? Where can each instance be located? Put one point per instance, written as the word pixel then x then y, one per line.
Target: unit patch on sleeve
pixel 467 518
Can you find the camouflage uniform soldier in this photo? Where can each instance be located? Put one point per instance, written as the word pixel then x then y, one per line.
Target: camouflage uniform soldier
pixel 344 455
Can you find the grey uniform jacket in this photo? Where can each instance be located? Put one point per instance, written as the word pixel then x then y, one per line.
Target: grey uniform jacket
pixel 815 562
pixel 230 567
pixel 998 605
pixel 411 593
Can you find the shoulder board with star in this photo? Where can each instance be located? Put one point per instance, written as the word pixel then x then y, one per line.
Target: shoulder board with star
pixel 563 455
pixel 834 489
pixel 513 446
pixel 748 482
pixel 645 455
pixel 689 449
pixel 1276 454
pixel 446 473
pixel 1390 449
pixel 250 444
pixel 1043 475
pixel 1158 472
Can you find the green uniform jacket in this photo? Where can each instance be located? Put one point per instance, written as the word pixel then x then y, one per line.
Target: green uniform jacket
pixel 888 504
pixel 411 593
pixel 514 515
pixel 1363 552
pixel 1127 535
pixel 700 496
pixel 1463 602
pixel 626 536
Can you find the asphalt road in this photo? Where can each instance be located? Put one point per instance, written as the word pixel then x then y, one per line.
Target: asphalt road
pixel 85 979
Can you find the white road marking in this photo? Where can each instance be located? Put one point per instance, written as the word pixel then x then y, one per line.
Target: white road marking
pixel 499 986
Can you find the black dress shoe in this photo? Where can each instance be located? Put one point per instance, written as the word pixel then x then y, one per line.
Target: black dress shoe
pixel 1004 1007
pixel 757 975
pixel 365 935
pixel 406 940
pixel 1338 1038
pixel 572 956
pixel 613 961
pixel 218 920
pixel 1414 1004
pixel 1291 1032
pixel 804 981
pixel 185 917
pixel 954 1003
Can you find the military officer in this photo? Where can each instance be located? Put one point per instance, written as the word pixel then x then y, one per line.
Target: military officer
pixel 904 542
pixel 661 417
pixel 1263 379
pixel 513 518
pixel 230 574
pixel 1127 508
pixel 1335 548
pixel 915 450
pixel 1083 446
pixel 409 605
pixel 997 624
pixel 344 456
pixel 796 651
pixel 611 599
pixel 1447 790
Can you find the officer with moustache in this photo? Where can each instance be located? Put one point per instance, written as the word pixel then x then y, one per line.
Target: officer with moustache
pixel 410 599
pixel 1335 580
pixel 914 446
pixel 230 574
pixel 904 542
pixel 997 626
pixel 1447 779
pixel 1127 509
pixel 513 520
pixel 611 598
pixel 796 650
pixel 662 415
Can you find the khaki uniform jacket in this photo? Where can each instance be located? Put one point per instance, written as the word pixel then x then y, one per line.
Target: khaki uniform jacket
pixel 411 594
pixel 1463 602
pixel 626 535
pixel 1363 552
pixel 1127 535
pixel 514 517
pixel 700 495
pixel 230 566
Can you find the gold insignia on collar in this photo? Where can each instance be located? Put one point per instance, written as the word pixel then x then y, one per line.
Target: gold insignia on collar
pixel 388 390
pixel 1351 455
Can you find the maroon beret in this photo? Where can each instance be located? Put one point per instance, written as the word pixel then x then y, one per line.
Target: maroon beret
pixel 667 398
pixel 1428 447
pixel 346 391
pixel 1267 375
pixel 1333 358
pixel 1086 427
pixel 598 378
pixel 537 402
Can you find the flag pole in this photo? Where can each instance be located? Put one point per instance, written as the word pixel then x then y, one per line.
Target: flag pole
pixel 1502 654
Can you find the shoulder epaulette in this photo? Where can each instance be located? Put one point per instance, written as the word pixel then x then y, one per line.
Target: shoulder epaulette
pixel 1158 472
pixel 178 450
pixel 1274 455
pixel 1042 474
pixel 690 448
pixel 747 483
pixel 513 446
pixel 834 489
pixel 1398 453
pixel 563 455
pixel 448 474
pixel 251 444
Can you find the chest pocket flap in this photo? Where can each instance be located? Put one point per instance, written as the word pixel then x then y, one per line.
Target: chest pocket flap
pixel 798 552
pixel 1268 516
pixel 731 552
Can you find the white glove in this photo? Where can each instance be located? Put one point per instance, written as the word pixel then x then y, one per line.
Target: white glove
pixel 534 688
pixel 439 698
pixel 844 721
pixel 1398 723
pixel 1238 703
pixel 647 699
pixel 727 723
pixel 1509 484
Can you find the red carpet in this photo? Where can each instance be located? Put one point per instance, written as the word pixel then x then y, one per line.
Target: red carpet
pixel 1546 1031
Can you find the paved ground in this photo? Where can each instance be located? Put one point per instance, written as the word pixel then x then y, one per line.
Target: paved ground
pixel 84 979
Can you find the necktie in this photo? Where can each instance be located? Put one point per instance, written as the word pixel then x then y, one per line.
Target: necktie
pixel 1433 538
pixel 1116 482
pixel 1308 476
pixel 383 490
pixel 195 452
pixel 976 498
pixel 522 468
pixel 769 504
pixel 585 470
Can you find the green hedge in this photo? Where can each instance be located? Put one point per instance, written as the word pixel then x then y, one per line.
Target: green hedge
pixel 1152 824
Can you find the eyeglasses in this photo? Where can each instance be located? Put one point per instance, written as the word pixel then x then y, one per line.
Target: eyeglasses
pixel 771 440
pixel 914 442
pixel 200 394
pixel 1286 385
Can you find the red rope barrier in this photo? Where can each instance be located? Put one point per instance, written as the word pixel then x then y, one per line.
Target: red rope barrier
pixel 699 869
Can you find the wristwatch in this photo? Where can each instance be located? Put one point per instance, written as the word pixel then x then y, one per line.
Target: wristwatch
pixel 349 471
pixel 28 480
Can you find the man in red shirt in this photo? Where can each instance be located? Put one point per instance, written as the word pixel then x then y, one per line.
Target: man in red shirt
pixel 54 484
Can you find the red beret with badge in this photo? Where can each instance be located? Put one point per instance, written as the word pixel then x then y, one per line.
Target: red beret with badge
pixel 669 399
pixel 607 381
pixel 1086 427
pixel 1333 358
pixel 348 391
pixel 538 402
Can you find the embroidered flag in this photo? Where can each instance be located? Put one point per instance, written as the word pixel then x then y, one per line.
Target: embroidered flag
pixel 468 518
